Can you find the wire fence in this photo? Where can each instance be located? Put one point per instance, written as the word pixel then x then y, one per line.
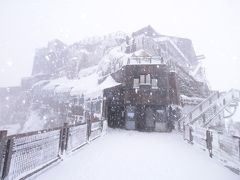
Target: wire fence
pixel 31 151
pixel 96 129
pixel 77 137
pixel 223 147
pixel 23 155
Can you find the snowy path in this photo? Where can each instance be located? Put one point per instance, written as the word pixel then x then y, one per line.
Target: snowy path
pixel 130 155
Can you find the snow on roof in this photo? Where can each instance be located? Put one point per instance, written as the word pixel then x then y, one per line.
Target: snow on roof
pixel 107 83
pixel 87 84
pixel 87 71
pixel 90 87
pixel 65 87
pixel 141 53
pixel 54 83
pixel 40 84
pixel 84 84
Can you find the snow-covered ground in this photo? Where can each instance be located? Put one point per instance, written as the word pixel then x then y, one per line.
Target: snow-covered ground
pixel 130 155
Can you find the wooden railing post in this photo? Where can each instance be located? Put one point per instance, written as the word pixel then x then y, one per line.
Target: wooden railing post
pixel 3 135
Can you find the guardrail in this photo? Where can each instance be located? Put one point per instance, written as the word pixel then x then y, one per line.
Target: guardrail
pixel 95 129
pixel 23 155
pixel 214 99
pixel 200 107
pixel 223 147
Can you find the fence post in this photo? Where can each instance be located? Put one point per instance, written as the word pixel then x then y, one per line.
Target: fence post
pixel 89 125
pixel 64 138
pixel 3 135
pixel 101 126
pixel 190 134
pixel 209 139
pixel 239 149
pixel 61 141
pixel 7 158
pixel 184 133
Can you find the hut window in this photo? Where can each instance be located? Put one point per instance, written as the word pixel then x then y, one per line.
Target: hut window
pixel 135 83
pixel 142 79
pixel 154 83
pixel 148 79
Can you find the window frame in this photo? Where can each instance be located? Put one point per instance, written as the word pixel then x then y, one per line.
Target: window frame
pixel 155 84
pixel 142 79
pixel 136 84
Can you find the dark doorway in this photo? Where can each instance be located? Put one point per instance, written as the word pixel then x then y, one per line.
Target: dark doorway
pixel 115 116
pixel 140 123
pixel 149 119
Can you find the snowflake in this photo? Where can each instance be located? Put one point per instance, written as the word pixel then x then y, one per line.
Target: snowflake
pixel 66 35
pixel 136 90
pixel 10 63
pixel 83 16
pixel 47 58
pixel 7 98
pixel 235 58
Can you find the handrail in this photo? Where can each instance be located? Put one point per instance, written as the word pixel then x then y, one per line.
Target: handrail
pixel 230 93
pixel 215 115
pixel 200 104
pixel 207 99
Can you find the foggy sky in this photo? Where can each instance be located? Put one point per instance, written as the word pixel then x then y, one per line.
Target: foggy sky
pixel 213 26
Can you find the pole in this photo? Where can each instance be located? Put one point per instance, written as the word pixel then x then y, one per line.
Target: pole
pixel 3 135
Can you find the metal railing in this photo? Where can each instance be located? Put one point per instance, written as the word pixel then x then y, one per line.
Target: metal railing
pixel 23 155
pixel 222 147
pixel 95 129
pixel 146 60
pixel 215 99
pixel 77 137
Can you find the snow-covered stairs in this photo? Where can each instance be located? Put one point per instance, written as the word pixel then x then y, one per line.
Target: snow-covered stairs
pixel 210 108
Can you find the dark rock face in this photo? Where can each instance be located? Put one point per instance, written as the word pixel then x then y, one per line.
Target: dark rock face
pixel 58 59
pixel 51 59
